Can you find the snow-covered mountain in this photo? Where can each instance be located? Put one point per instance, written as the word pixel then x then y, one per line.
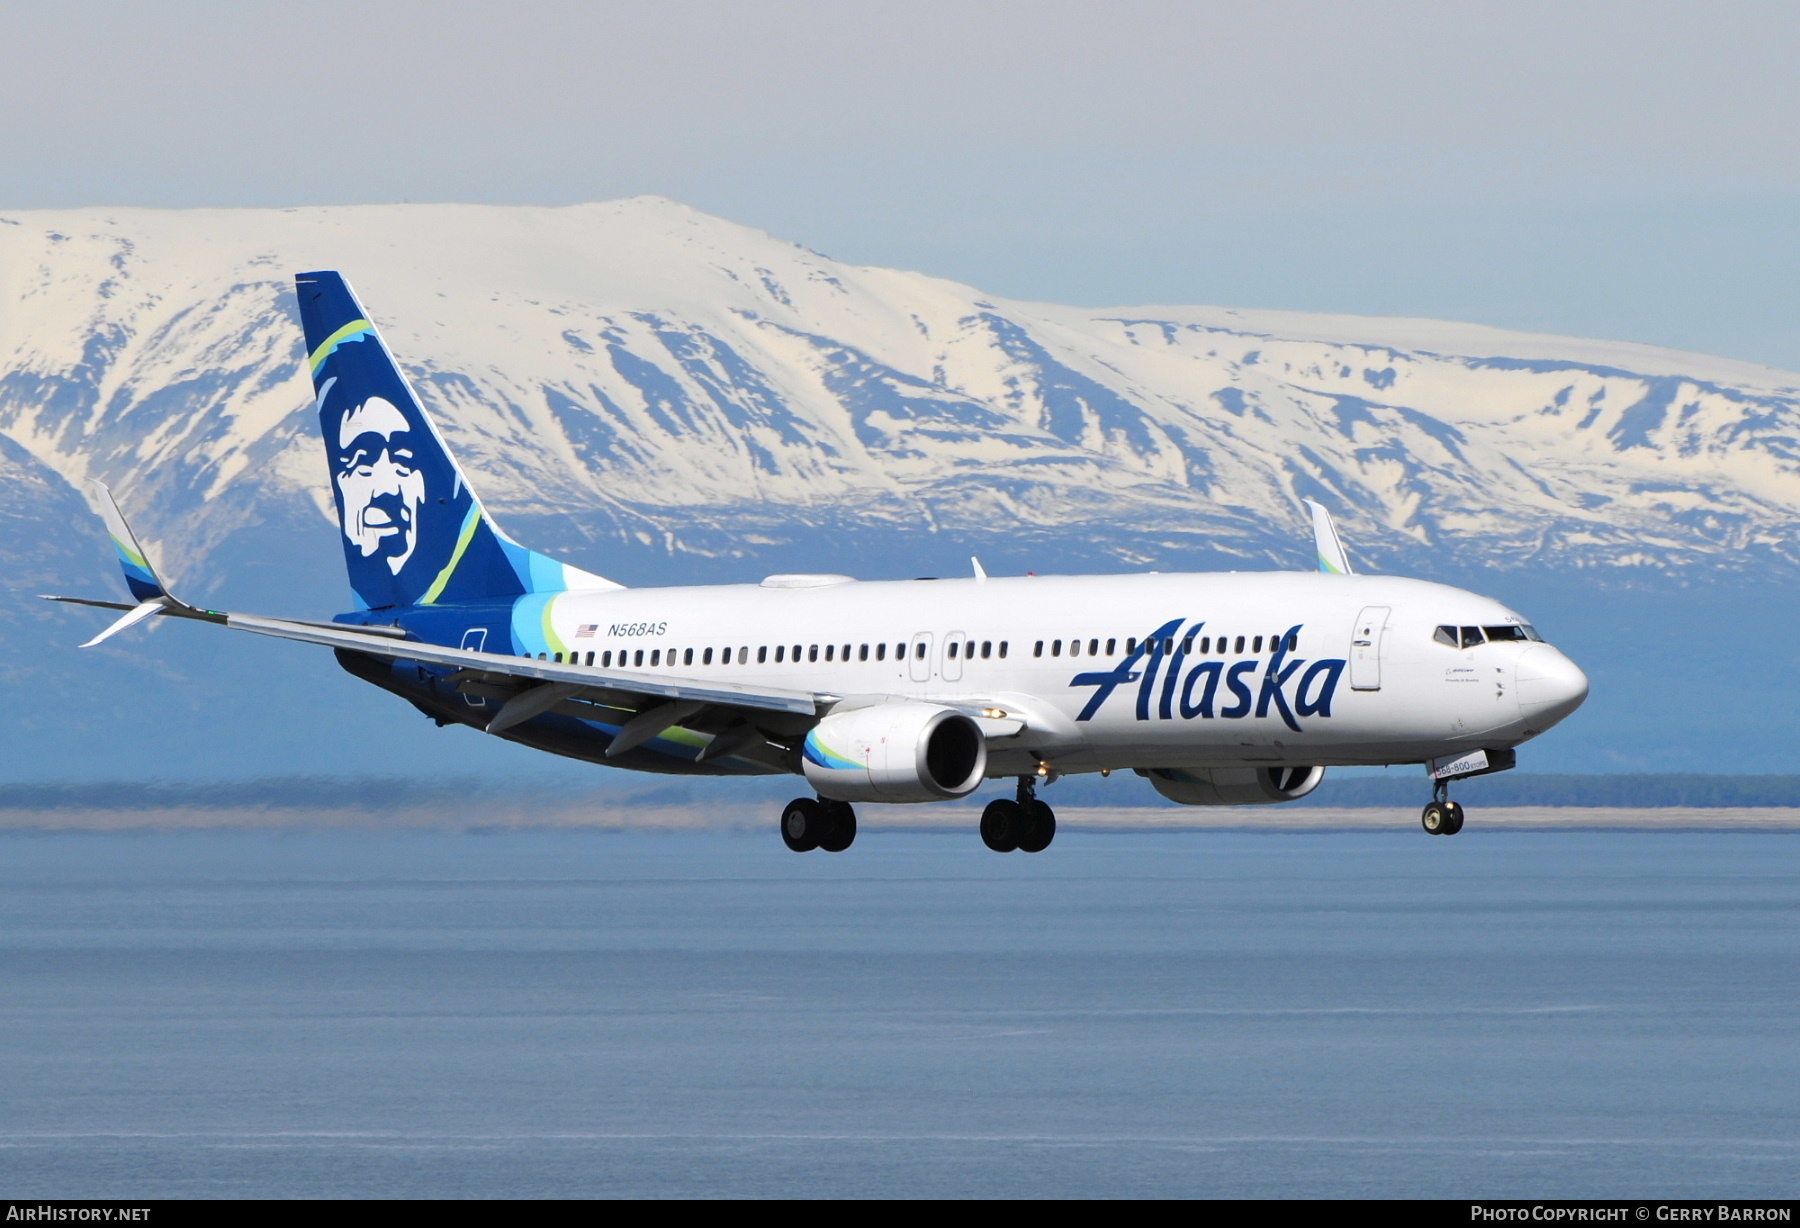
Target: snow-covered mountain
pixel 659 394
pixel 653 373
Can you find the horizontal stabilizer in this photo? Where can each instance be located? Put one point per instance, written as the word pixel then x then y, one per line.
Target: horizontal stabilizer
pixel 156 605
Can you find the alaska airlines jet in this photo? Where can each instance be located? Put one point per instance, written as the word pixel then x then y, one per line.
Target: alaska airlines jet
pixel 1221 689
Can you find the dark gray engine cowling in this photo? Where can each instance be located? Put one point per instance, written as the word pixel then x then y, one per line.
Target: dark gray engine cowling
pixel 1260 786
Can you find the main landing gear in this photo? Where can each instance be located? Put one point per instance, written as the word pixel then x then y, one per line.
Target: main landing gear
pixel 807 825
pixel 1442 817
pixel 1027 824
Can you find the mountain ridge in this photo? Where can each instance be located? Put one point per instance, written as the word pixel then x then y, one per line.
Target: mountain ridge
pixel 667 397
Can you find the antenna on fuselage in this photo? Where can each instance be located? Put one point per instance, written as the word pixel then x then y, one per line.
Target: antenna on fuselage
pixel 1333 561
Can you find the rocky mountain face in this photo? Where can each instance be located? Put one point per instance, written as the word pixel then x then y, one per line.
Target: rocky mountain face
pixel 665 396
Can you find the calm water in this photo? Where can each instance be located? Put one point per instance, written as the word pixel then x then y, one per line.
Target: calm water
pixel 1184 1014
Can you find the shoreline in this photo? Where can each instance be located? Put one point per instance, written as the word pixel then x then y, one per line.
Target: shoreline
pixel 875 818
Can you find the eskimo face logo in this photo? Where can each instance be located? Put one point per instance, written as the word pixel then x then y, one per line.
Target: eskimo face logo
pixel 378 482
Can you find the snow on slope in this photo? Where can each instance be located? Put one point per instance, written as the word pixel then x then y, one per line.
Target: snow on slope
pixel 689 384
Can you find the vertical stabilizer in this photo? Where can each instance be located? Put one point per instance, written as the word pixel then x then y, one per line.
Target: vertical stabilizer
pixel 1332 559
pixel 414 532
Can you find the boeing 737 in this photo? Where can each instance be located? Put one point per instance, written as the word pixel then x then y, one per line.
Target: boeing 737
pixel 1221 689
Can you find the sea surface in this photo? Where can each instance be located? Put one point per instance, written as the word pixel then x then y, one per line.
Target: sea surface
pixel 525 1013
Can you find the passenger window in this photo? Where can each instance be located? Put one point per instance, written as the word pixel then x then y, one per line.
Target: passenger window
pixel 1074 648
pixel 1003 650
pixel 1504 633
pixel 606 659
pixel 638 657
pixel 920 652
pixel 706 657
pixel 1130 646
pixel 1294 642
pixel 1112 646
pixel 1471 636
pixel 1093 648
pixel 1039 650
pixel 845 655
pixel 812 654
pixel 655 657
pixel 762 655
pixel 1056 648
pixel 743 655
pixel 780 653
pixel 987 649
pixel 1240 644
pixel 862 654
pixel 881 651
pixel 1257 646
pixel 687 656
pixel 952 650
pixel 1187 645
pixel 829 651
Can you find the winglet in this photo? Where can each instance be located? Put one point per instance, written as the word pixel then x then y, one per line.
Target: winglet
pixel 1332 559
pixel 140 576
pixel 980 571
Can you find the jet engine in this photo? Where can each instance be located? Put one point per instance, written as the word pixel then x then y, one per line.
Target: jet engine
pixel 895 752
pixel 1261 786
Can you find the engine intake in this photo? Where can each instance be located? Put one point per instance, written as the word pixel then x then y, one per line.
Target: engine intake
pixel 1261 786
pixel 895 752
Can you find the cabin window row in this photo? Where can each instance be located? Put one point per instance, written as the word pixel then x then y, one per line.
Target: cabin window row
pixel 1204 645
pixel 656 658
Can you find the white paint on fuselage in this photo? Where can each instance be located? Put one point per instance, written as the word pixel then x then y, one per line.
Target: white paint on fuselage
pixel 1433 699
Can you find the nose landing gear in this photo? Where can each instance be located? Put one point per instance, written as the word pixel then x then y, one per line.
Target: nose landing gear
pixel 1441 817
pixel 1027 824
pixel 824 824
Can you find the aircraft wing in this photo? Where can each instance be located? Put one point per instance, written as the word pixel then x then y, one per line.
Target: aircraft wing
pixel 562 677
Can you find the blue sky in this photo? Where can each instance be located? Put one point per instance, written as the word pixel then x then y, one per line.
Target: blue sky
pixel 1619 170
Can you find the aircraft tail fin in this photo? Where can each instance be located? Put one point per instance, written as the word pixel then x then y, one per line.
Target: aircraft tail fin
pixel 414 532
pixel 1332 558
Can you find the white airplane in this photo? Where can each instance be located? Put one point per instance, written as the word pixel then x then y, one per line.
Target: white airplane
pixel 1222 689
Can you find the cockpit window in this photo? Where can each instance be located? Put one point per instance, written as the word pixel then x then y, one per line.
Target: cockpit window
pixel 1471 636
pixel 1506 633
pixel 1445 635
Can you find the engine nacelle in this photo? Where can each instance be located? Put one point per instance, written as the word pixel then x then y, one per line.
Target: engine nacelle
pixel 1262 786
pixel 895 752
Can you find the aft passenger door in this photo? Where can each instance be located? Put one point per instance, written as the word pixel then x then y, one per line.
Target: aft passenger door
pixel 474 640
pixel 918 657
pixel 1365 648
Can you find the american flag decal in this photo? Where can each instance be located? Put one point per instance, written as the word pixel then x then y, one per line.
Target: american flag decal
pixel 586 631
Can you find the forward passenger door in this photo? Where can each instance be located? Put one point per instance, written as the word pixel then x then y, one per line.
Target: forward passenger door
pixel 1365 648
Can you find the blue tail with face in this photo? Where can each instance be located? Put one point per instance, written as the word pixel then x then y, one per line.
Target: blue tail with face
pixel 414 532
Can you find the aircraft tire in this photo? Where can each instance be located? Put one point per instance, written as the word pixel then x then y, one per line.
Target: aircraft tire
pixel 1038 828
pixel 1000 825
pixel 802 823
pixel 839 831
pixel 1433 819
pixel 1453 818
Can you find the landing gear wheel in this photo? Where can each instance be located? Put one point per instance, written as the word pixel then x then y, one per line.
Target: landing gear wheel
pixel 1001 824
pixel 839 831
pixel 1038 828
pixel 1435 818
pixel 1453 818
pixel 803 824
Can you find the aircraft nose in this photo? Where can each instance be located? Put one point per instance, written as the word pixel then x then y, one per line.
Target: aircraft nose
pixel 1550 686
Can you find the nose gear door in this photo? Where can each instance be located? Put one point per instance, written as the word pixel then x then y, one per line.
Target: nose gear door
pixel 1365 648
